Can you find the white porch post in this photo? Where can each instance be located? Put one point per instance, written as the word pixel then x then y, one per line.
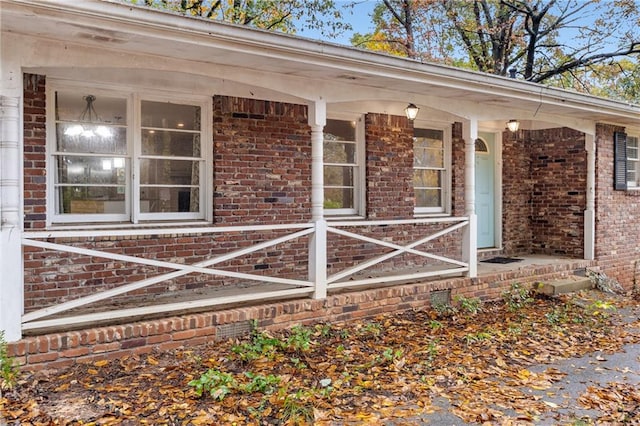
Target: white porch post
pixel 590 212
pixel 470 237
pixel 11 267
pixel 318 241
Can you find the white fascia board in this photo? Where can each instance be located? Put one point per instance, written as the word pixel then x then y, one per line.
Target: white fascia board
pixel 200 32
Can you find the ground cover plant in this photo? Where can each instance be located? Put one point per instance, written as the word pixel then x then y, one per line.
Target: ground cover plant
pixel 391 368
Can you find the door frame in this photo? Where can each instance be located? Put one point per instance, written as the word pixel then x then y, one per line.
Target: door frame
pixel 497 190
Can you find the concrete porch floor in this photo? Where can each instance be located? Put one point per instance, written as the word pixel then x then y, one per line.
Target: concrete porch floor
pixel 528 261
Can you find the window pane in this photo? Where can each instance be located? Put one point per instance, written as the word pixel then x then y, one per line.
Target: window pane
pixel 98 139
pixel 632 148
pixel 338 152
pixel 631 173
pixel 340 130
pixel 91 170
pixel 169 172
pixel 338 198
pixel 338 176
pixel 427 143
pixel 170 116
pixel 428 197
pixel 432 134
pixel 73 106
pixel 180 144
pixel 424 157
pixel 171 200
pixel 427 178
pixel 91 200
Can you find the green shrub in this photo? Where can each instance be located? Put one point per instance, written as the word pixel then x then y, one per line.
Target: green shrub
pixel 8 368
pixel 517 297
pixel 469 305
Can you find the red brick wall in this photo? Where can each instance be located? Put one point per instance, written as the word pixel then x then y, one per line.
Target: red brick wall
pixel 262 161
pixel 544 192
pixel 457 174
pixel 517 189
pixel 389 154
pixel 559 181
pixel 35 184
pixel 617 216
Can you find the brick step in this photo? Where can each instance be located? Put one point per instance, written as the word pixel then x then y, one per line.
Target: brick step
pixel 570 284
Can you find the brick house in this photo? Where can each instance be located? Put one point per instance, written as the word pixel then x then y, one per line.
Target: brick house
pixel 180 175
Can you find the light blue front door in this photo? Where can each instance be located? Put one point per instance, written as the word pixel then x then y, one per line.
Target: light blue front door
pixel 485 189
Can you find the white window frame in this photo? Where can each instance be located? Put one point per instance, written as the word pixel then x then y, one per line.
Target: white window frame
pixel 359 175
pixel 633 162
pixel 134 98
pixel 445 208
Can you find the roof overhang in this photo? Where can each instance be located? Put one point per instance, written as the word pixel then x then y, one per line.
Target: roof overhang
pixel 301 68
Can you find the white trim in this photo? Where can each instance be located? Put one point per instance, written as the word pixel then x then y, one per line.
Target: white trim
pixel 634 184
pixel 590 208
pixel 317 282
pixel 11 259
pixel 470 233
pixel 163 308
pixel 497 183
pixel 498 191
pixel 359 177
pixel 448 172
pixel 135 149
pixel 134 98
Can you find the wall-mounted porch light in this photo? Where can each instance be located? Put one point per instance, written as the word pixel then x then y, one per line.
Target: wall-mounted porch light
pixel 411 111
pixel 513 125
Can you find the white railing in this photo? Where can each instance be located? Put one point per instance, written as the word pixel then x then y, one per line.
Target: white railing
pixel 317 284
pixel 334 281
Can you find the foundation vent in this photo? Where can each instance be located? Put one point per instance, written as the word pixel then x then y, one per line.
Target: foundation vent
pixel 440 297
pixel 233 330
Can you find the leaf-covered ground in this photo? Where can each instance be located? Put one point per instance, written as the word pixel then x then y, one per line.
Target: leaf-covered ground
pixel 474 363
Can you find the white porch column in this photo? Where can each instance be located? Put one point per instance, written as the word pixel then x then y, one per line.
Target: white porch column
pixel 470 237
pixel 590 212
pixel 318 242
pixel 11 267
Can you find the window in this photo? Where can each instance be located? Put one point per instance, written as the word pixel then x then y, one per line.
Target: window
pixel 342 167
pixel 431 164
pixel 633 162
pixel 125 157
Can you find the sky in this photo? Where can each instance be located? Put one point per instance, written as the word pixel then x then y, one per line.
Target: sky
pixel 358 16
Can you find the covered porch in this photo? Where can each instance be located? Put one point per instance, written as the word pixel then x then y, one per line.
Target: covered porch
pixel 145 263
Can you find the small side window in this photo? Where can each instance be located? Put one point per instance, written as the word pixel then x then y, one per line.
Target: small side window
pixel 431 170
pixel 342 168
pixel 633 162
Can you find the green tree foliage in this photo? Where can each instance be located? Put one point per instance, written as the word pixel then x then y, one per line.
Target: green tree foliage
pixel 578 44
pixel 277 15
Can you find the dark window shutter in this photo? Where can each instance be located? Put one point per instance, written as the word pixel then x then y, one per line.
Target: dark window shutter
pixel 620 161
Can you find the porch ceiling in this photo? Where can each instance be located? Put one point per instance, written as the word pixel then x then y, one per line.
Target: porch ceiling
pixel 125 28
